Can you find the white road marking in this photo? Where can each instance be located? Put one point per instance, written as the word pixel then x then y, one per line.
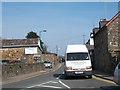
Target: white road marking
pixel 42 85
pixel 39 84
pixel 53 82
pixel 50 86
pixel 59 77
pixel 87 87
pixel 64 84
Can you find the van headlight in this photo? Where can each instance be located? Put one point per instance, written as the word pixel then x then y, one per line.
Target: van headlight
pixel 88 68
pixel 68 68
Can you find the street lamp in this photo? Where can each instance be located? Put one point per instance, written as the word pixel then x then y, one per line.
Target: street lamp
pixel 40 43
pixel 41 32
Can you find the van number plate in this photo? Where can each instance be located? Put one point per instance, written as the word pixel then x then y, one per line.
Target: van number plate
pixel 78 72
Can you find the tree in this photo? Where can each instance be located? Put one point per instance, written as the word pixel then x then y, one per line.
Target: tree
pixel 32 35
pixel 45 47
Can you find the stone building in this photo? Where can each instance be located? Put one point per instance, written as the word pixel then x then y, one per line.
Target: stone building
pixel 90 45
pixel 24 50
pixel 107 44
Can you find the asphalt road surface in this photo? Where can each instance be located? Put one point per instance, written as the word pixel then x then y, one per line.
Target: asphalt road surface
pixel 56 80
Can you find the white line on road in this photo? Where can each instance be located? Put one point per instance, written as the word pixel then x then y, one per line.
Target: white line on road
pixel 59 77
pixel 39 84
pixel 53 82
pixel 42 85
pixel 50 86
pixel 64 84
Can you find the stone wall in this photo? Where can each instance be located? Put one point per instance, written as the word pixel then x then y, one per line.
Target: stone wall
pixel 12 53
pixel 101 53
pixel 19 69
pixel 114 42
pixel 107 46
pixel 113 35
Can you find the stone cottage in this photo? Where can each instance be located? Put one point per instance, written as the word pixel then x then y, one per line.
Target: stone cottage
pixel 24 50
pixel 107 44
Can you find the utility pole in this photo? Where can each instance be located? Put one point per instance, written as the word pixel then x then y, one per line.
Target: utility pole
pixel 57 54
pixel 57 51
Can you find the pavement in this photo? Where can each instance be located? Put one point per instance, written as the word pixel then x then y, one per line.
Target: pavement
pixel 103 75
pixel 34 74
pixel 29 75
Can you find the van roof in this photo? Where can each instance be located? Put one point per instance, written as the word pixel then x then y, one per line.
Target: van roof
pixel 76 48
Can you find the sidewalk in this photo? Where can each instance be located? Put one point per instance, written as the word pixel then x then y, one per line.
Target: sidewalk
pixel 103 75
pixel 34 74
pixel 29 75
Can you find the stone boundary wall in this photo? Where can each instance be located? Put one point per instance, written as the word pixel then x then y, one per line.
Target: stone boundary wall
pixel 19 69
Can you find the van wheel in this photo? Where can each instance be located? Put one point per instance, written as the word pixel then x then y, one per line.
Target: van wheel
pixel 90 76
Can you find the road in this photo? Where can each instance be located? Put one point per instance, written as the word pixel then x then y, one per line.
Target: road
pixel 56 80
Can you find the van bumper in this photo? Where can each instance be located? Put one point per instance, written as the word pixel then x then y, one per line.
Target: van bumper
pixel 78 73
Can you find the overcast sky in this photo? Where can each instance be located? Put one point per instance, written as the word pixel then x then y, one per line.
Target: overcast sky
pixel 65 22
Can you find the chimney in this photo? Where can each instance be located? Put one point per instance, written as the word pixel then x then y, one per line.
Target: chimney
pixel 102 23
pixel 95 30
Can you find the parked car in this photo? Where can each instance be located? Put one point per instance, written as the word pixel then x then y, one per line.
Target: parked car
pixel 4 61
pixel 48 64
pixel 117 74
pixel 16 62
pixel 9 62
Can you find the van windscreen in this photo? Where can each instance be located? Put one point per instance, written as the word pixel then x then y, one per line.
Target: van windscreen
pixel 77 56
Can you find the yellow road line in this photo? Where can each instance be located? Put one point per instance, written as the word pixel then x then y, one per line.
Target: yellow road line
pixel 108 81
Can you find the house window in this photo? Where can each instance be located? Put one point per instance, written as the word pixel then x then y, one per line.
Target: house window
pixel 36 58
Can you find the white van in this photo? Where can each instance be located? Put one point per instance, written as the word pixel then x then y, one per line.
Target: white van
pixel 77 61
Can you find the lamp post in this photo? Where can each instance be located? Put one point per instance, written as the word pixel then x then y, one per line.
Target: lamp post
pixel 57 52
pixel 40 44
pixel 41 32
